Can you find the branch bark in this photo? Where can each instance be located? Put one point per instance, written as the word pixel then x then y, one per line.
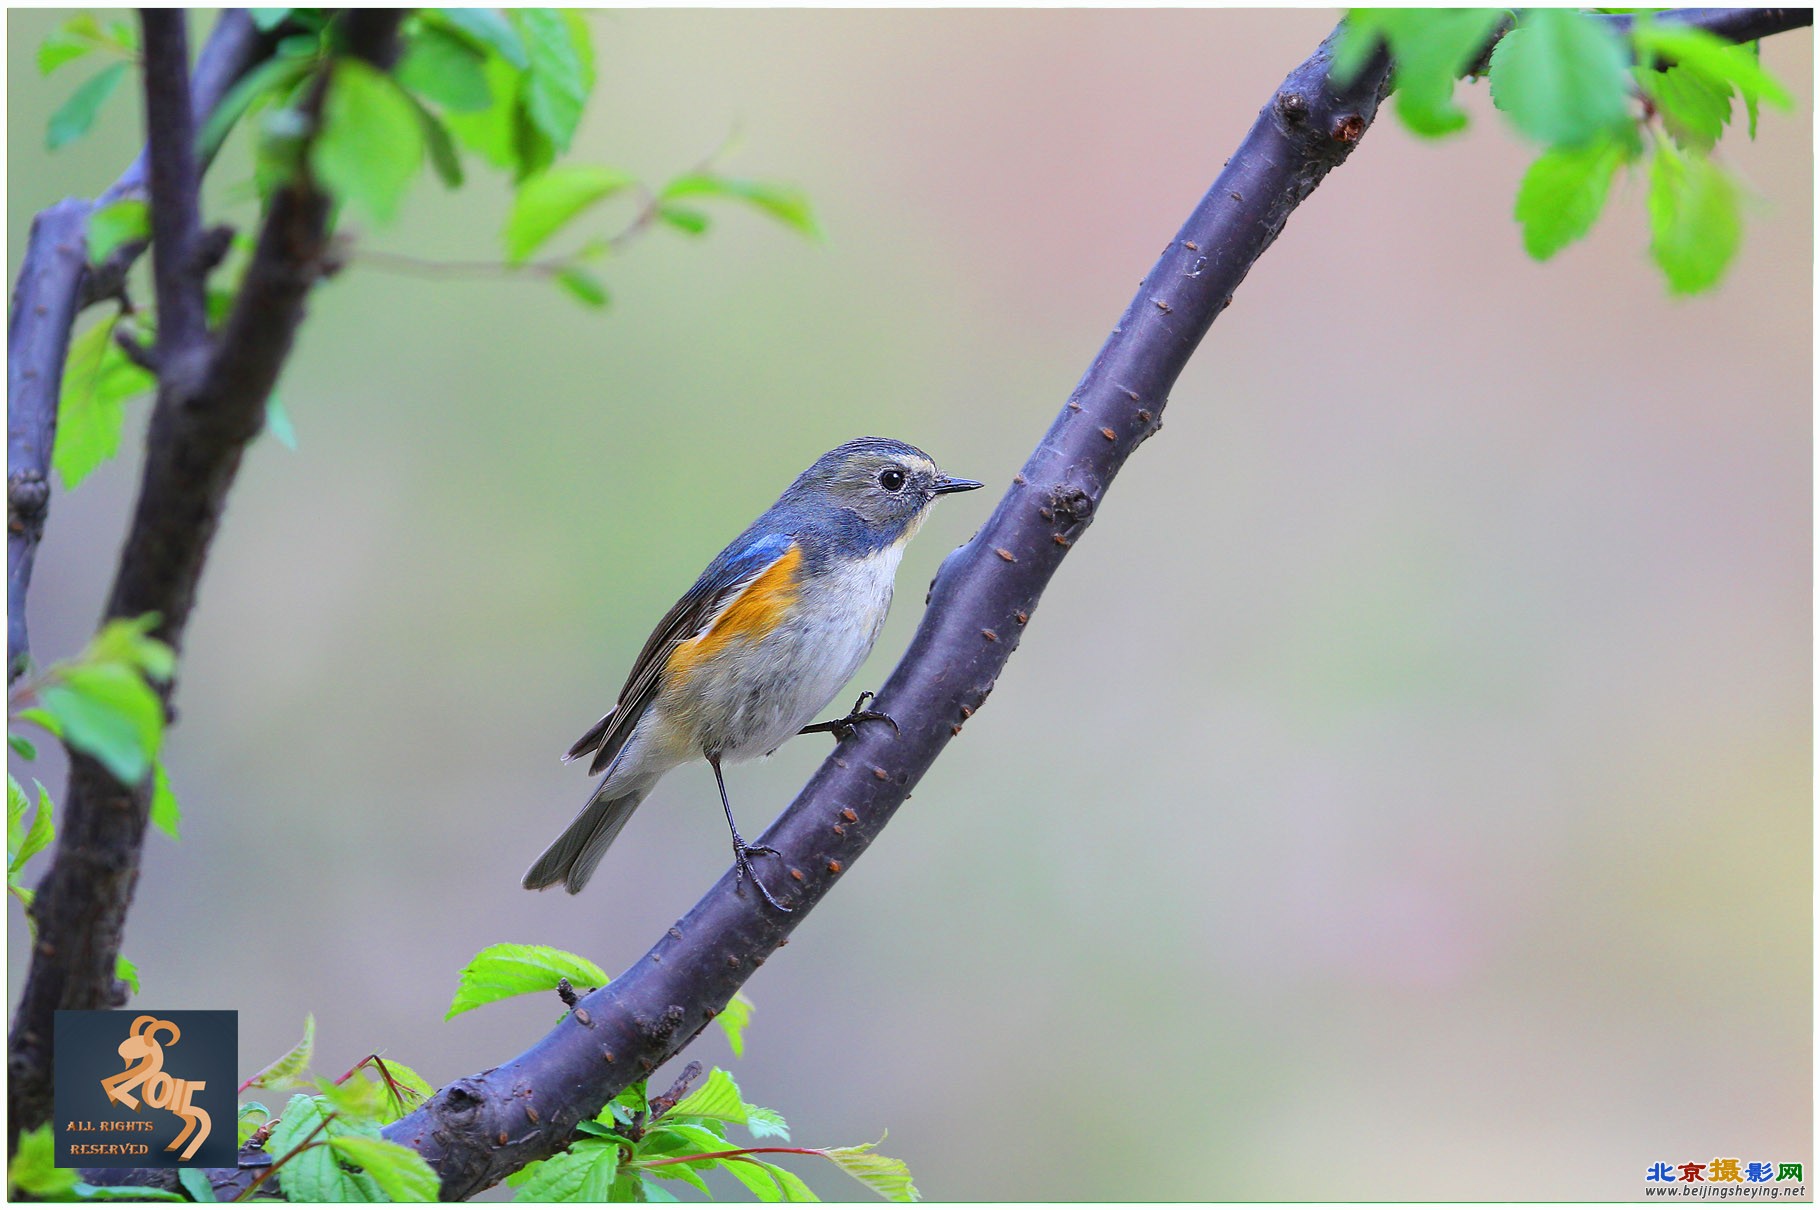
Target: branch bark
pixel 480 1128
pixel 201 423
pixel 55 283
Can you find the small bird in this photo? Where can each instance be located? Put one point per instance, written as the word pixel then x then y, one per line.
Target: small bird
pixel 779 621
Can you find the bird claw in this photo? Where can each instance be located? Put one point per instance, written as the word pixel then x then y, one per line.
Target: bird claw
pixel 742 866
pixel 843 728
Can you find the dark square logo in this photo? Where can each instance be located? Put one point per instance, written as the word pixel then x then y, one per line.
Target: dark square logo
pixel 146 1089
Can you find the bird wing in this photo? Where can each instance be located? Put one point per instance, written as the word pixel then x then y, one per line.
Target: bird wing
pixel 732 572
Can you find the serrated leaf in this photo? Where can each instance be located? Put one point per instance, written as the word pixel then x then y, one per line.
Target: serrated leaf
pixel 500 971
pixel 755 1175
pixel 733 1020
pixel 785 203
pixel 644 1188
pixel 117 223
pixel 403 1174
pixel 291 1067
pixel 718 1097
pixel 563 1176
pixel 681 1172
pixel 888 1178
pixel 195 1182
pixel 1709 55
pixel 1562 194
pixel 25 842
pixel 91 406
pixel 583 285
pixel 126 972
pixel 547 202
pixel 1430 48
pixel 356 1099
pixel 766 1123
pixel 1561 77
pixel 314 1174
pixel 1694 107
pixel 74 117
pixel 445 69
pixel 487 27
pixel 370 146
pixel 108 712
pixel 411 1091
pixel 1694 218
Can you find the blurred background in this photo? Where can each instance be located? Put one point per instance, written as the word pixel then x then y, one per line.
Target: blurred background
pixel 1403 791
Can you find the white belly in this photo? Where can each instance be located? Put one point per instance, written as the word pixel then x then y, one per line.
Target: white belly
pixel 753 697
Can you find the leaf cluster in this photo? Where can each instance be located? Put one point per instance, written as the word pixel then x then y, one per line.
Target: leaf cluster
pixel 1655 96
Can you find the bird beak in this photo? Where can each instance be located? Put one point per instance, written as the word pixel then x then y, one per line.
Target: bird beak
pixel 944 485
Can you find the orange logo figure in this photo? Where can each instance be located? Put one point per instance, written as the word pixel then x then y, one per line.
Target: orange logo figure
pixel 145 1065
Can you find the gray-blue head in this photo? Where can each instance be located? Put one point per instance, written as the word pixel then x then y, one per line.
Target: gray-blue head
pixel 886 485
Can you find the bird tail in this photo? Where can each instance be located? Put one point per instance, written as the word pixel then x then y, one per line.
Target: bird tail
pixel 571 860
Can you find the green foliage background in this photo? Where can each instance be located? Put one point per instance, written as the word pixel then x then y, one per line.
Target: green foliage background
pixel 1408 777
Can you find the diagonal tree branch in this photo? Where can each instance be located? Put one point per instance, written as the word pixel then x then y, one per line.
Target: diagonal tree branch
pixel 55 283
pixel 474 1131
pixel 200 427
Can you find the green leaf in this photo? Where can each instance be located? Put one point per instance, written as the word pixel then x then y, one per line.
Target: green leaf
pixel 444 158
pixel 41 718
pixel 268 19
pixel 888 1178
pixel 167 813
pixel 195 1182
pixel 1694 220
pixel 91 407
pixel 24 843
pixel 486 27
pixel 561 72
pixel 33 1171
pixel 24 747
pixel 504 970
pixel 412 1088
pixel 445 69
pixel 117 223
pixel 685 220
pixel 403 1174
pixel 249 1118
pixel 1562 194
pixel 1561 77
pixel 126 972
pixel 788 205
pixel 645 1189
pixel 121 1193
pixel 313 1174
pixel 74 117
pixel 547 202
pixel 110 713
pixel 128 641
pixel 583 1173
pixel 1430 49
pixel 69 42
pixel 682 1172
pixel 583 285
pixel 1711 56
pixel 766 1123
pixel 492 132
pixel 733 1020
pixel 1694 107
pixel 289 1068
pixel 718 1097
pixel 269 80
pixel 371 143
pixel 278 423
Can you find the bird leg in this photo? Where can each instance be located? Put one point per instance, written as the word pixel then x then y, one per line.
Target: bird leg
pixel 742 852
pixel 843 727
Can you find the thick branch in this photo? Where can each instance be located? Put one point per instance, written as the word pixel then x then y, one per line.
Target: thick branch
pixel 55 282
pixel 199 430
pixel 176 208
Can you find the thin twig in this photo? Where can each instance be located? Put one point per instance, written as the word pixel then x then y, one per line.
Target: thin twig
pixel 309 1140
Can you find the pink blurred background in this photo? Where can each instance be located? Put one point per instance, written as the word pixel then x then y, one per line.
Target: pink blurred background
pixel 1403 792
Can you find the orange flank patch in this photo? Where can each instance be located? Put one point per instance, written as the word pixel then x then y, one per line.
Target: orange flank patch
pixel 748 617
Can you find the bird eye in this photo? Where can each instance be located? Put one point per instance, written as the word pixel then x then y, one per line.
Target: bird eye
pixel 891 479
